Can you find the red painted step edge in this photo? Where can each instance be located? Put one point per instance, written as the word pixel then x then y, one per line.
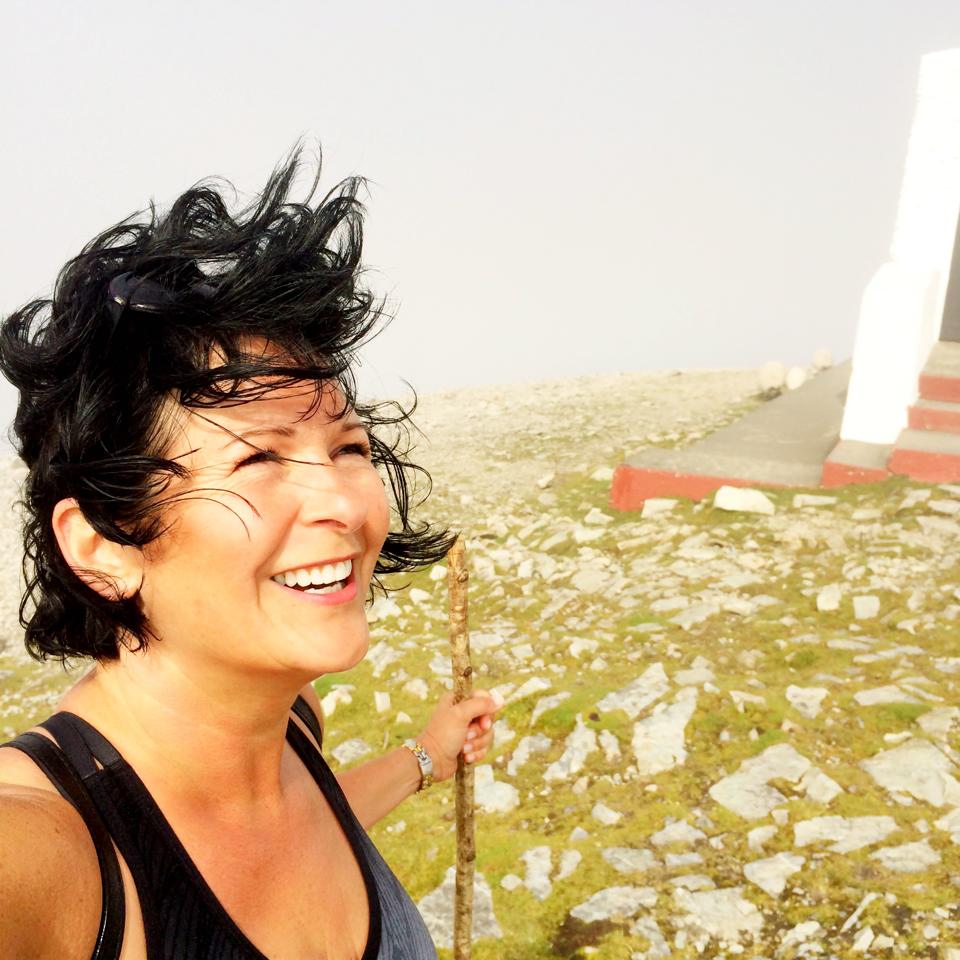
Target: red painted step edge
pixel 926 467
pixel 946 389
pixel 841 474
pixel 928 418
pixel 633 485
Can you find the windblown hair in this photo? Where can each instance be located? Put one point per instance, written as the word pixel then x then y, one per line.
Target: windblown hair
pixel 134 320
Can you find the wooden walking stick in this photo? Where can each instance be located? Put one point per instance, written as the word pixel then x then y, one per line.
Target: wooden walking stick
pixel 462 688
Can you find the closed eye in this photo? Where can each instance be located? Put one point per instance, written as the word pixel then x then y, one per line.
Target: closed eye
pixel 260 456
pixel 357 449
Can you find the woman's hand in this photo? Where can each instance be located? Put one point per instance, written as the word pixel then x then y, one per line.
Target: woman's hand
pixel 465 727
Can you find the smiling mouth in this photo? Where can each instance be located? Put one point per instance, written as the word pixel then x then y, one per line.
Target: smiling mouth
pixel 327 578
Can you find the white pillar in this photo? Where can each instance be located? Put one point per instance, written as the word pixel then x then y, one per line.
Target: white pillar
pixel 902 307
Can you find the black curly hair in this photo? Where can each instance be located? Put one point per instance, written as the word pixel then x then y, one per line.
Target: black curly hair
pixel 134 320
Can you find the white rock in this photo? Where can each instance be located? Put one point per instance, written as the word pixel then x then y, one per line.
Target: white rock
pixel 758 836
pixel 582 645
pixel 539 863
pixel 438 573
pixel 531 686
pixel 546 480
pixel 657 506
pixel 610 746
pixel 419 596
pixel 648 928
pixel 658 740
pixel 522 651
pixel 917 768
pixel 339 694
pixel 603 814
pixel 350 750
pixel 614 902
pixel 907 857
pixel 862 941
pixel 744 500
pixel 511 882
pixel 629 859
pixel 828 599
pixel 569 861
pixel 819 787
pixel 491 796
pixel 578 746
pixel 403 717
pixel 772 873
pixel 590 580
pixel 677 832
pixel 695 614
pixel 525 749
pixel 773 376
pixel 748 793
pixel 888 694
pixel 596 517
pixel 847 834
pixel 801 500
pixel 796 377
pixel 801 933
pixel 822 359
pixel 382 608
pixel 525 569
pixel 416 688
pixel 577 834
pixel 723 914
pixel 436 908
pixel 602 474
pixel 648 687
pixel 545 704
pixel 806 700
pixel 487 641
pixel 381 701
pixel 865 608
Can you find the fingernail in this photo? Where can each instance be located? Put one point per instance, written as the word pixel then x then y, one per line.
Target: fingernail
pixel 497 697
pixel 471 734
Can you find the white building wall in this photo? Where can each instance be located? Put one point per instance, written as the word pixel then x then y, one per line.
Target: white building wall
pixel 902 306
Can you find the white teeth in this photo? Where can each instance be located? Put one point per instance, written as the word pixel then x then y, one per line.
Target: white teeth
pixel 329 575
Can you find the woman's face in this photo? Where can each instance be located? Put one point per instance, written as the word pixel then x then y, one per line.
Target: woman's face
pixel 268 561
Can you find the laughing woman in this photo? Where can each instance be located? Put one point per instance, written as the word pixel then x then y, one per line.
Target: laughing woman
pixel 205 514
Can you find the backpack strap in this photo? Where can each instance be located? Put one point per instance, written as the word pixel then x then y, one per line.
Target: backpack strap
pixel 305 712
pixel 52 761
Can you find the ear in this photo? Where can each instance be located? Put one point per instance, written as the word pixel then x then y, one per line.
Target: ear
pixel 115 571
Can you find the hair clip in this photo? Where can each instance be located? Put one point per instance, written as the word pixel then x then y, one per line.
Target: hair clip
pixel 127 291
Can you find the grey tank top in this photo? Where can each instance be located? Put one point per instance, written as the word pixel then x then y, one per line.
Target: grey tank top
pixel 183 920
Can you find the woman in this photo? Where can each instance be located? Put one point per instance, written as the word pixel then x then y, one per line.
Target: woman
pixel 204 519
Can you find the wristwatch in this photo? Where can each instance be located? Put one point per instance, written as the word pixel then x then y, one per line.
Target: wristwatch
pixel 426 764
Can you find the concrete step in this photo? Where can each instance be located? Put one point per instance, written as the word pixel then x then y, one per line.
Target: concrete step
pixel 930 456
pixel 852 461
pixel 940 377
pixel 935 415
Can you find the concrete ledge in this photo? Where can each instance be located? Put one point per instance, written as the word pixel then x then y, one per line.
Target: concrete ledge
pixel 633 485
pixel 934 415
pixel 852 461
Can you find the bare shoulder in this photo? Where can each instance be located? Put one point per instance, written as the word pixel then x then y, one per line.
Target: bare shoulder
pixel 49 874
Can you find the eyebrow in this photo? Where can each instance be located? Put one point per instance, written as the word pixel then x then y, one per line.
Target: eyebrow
pixel 282 431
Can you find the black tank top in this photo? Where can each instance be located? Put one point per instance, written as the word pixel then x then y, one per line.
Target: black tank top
pixel 182 918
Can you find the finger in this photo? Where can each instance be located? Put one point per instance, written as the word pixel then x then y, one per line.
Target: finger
pixel 479 705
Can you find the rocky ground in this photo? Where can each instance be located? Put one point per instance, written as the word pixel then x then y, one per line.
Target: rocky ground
pixel 730 726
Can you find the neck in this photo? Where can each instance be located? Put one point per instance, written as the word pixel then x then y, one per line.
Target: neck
pixel 214 740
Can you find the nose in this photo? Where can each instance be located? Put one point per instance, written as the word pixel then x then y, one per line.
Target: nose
pixel 331 495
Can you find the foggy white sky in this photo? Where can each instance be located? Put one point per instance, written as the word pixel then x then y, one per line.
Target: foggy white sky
pixel 557 188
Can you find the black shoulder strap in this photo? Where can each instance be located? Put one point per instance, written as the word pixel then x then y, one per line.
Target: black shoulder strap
pixel 303 710
pixel 54 764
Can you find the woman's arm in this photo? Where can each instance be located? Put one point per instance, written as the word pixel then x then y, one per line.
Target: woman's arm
pixel 378 786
